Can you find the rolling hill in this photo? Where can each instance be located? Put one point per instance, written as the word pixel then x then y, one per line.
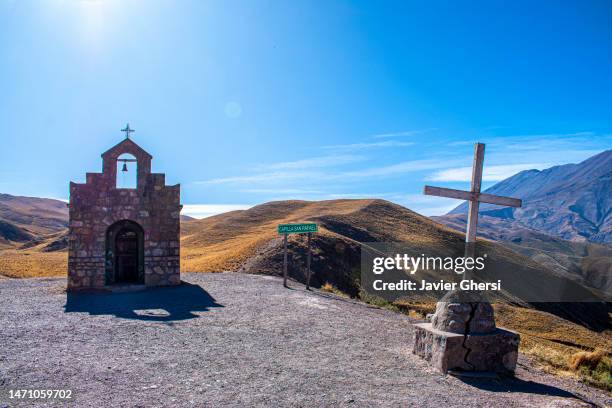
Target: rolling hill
pixel 247 241
pixel 23 219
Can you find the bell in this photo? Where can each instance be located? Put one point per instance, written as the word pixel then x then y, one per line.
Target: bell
pixel 124 167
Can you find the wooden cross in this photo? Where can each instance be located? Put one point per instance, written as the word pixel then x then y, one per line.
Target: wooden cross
pixel 127 131
pixel 474 196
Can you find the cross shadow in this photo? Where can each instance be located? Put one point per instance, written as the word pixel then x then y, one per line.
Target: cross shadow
pixel 155 304
pixel 514 384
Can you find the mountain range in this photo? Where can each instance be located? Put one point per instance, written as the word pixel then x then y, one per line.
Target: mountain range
pixel 565 223
pixel 572 201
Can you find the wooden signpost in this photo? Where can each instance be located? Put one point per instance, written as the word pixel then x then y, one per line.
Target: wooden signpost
pixel 287 229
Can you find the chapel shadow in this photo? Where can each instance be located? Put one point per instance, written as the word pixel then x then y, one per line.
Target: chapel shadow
pixel 514 384
pixel 165 304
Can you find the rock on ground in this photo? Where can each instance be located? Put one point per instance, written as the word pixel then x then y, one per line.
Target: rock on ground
pixel 229 339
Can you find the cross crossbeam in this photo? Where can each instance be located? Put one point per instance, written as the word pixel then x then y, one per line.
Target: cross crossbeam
pixel 474 197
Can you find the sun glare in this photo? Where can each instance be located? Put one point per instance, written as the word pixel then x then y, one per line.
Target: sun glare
pixel 94 22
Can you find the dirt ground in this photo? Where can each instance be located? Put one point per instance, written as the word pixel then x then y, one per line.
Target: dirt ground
pixel 229 339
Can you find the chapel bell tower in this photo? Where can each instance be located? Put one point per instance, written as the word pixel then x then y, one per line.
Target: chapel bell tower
pixel 122 236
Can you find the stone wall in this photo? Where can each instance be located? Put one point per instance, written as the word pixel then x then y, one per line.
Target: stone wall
pixel 98 204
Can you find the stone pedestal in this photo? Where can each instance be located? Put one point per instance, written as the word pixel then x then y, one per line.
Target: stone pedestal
pixel 496 351
pixel 462 336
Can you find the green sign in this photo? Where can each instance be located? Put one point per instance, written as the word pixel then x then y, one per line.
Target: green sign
pixel 296 228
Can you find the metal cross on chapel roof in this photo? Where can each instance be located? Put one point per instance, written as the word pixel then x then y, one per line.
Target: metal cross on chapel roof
pixel 127 131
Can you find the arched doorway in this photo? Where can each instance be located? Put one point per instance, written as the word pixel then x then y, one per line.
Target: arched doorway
pixel 125 253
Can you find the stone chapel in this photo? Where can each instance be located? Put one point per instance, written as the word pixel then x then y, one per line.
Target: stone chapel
pixel 124 236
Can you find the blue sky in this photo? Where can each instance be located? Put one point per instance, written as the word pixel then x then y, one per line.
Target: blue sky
pixel 244 102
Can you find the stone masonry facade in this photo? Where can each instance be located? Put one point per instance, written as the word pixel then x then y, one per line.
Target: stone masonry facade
pixel 152 210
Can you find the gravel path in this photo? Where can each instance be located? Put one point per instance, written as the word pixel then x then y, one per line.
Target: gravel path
pixel 232 339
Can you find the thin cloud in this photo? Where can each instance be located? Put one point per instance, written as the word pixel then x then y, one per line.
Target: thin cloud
pixel 404 133
pixel 428 205
pixel 461 143
pixel 344 176
pixel 369 145
pixel 532 141
pixel 274 177
pixel 207 210
pixel 435 210
pixel 315 162
pixel 279 191
pixel 386 196
pixel 397 169
pixel 490 173
pixel 286 171
pixel 336 196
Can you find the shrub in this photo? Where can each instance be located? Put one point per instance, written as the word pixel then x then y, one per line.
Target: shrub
pixel 328 287
pixel 593 367
pixel 587 359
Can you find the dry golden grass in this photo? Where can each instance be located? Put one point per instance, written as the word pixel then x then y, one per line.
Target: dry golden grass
pixel 592 367
pixel 219 243
pixel 537 328
pixel 417 310
pixel 32 263
pixel 224 242
pixel 328 287
pixel 588 359
pixel 560 346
